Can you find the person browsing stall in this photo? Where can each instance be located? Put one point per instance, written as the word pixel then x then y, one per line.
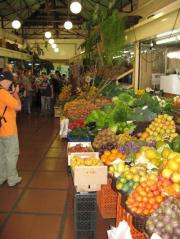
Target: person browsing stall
pixel 9 145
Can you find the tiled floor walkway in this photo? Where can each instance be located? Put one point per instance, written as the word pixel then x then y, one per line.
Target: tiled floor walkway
pixel 41 206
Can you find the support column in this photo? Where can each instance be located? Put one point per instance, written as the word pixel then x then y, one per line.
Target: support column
pixel 136 75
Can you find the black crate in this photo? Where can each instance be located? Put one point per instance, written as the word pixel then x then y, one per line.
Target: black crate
pixel 85 216
pixel 85 225
pixel 85 202
pixel 85 211
pixel 85 234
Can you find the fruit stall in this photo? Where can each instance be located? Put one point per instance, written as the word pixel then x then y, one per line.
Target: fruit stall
pixel 124 154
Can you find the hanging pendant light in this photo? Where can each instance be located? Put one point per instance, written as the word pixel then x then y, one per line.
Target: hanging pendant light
pixel 68 25
pixel 75 6
pixel 53 45
pixel 16 24
pixel 48 34
pixel 56 50
pixel 51 41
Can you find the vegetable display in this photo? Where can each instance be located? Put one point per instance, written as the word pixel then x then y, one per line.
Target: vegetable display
pixel 79 148
pixel 104 137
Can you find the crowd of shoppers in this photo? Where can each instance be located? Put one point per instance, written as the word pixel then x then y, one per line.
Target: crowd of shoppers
pixel 38 90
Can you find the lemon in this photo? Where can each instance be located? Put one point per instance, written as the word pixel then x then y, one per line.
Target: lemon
pixel 176 177
pixel 166 173
pixel 172 155
pixel 173 165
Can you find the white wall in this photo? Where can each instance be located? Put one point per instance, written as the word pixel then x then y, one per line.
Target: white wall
pixel 68 48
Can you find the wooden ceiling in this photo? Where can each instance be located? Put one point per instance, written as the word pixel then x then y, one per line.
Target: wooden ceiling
pixel 37 16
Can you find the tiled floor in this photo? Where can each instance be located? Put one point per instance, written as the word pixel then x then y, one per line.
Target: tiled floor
pixel 41 206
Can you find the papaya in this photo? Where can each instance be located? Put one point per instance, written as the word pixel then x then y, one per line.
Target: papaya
pixel 175 144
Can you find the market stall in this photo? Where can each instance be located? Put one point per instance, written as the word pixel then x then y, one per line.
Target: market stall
pixel 124 160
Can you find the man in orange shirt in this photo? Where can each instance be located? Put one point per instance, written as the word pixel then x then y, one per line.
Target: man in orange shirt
pixel 9 145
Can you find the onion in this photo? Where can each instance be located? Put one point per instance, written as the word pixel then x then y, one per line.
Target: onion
pixel 166 236
pixel 160 224
pixel 177 231
pixel 167 219
pixel 169 228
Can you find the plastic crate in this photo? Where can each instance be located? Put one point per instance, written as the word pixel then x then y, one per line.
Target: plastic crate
pixel 86 235
pixel 107 201
pixel 85 202
pixel 71 139
pixel 85 211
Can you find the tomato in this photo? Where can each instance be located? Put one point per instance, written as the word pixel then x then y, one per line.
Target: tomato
pixel 144 199
pixel 142 193
pixel 153 188
pixel 143 184
pixel 139 211
pixel 152 200
pixel 148 206
pixel 146 212
pixel 159 199
pixel 156 193
pixel 139 198
pixel 150 195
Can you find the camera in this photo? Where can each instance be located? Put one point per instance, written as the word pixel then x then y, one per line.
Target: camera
pixel 12 86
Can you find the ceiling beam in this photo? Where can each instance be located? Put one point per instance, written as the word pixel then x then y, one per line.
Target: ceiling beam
pixel 22 9
pixel 12 7
pixel 99 2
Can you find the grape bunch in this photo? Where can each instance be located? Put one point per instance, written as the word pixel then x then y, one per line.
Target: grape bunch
pixel 134 146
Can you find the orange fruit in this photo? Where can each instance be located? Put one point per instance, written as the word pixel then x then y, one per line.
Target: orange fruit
pixel 107 153
pixel 112 157
pixel 159 199
pixel 114 151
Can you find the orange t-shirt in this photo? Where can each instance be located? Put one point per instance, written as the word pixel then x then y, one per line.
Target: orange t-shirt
pixel 8 128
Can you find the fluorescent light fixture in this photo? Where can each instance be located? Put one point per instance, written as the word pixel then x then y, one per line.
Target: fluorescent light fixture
pixel 53 45
pixel 173 55
pixel 48 34
pixel 167 40
pixel 56 50
pixel 51 41
pixel 75 7
pixel 68 25
pixel 168 33
pixel 16 24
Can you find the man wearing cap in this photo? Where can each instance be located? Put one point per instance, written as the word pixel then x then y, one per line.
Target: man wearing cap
pixel 9 145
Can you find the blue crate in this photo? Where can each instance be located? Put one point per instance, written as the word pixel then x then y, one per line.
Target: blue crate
pixel 70 139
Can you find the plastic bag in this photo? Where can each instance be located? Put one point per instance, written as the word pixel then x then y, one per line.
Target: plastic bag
pixel 155 236
pixel 64 127
pixel 120 232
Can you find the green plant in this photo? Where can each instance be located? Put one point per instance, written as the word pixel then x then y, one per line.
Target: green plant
pixel 112 36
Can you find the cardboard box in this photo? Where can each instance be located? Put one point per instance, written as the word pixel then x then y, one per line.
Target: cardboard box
pixel 84 144
pixel 89 178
